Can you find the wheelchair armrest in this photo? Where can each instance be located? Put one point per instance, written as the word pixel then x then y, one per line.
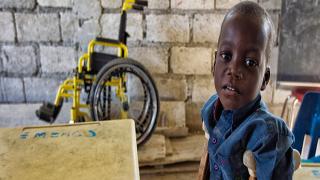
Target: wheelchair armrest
pixel 106 40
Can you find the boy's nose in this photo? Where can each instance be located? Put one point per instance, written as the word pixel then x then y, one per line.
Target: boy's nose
pixel 235 70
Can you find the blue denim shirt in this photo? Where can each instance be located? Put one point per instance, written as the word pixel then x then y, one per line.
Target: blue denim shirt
pixel 253 128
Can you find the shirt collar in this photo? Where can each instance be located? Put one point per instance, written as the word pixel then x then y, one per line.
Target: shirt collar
pixel 239 114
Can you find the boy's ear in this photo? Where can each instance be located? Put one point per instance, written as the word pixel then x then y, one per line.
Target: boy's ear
pixel 266 79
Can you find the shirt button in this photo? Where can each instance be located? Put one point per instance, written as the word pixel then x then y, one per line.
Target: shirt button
pixel 214 140
pixel 215 167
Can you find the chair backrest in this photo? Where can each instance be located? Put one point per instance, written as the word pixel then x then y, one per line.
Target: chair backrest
pixel 98 60
pixel 308 122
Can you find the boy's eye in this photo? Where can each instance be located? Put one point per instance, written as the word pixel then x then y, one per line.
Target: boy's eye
pixel 226 56
pixel 250 62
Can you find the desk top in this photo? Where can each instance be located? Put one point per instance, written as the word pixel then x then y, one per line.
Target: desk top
pixel 308 171
pixel 101 150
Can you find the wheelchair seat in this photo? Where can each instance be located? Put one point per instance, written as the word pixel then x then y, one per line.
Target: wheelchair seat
pixel 98 60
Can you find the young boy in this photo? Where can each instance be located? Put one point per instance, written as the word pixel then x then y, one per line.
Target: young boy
pixel 236 119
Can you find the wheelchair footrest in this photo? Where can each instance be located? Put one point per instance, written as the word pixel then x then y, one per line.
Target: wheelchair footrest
pixel 48 112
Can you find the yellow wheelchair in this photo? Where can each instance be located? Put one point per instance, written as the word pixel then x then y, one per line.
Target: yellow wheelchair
pixel 116 86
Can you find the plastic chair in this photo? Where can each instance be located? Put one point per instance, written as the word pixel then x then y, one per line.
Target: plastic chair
pixel 308 122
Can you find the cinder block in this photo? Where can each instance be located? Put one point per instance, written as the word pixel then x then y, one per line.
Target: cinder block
pixel 175 113
pixel 110 26
pixel 41 89
pixel 227 4
pixel 57 59
pixel 69 26
pixel 155 59
pixel 55 3
pixel 85 9
pixel 28 4
pixel 185 60
pixel 171 88
pixel 193 117
pixel 88 31
pixel 11 90
pixel 111 4
pixel 203 88
pixel 6 27
pixel 192 4
pixel 134 26
pixel 271 4
pixel 168 28
pixel 156 4
pixel 206 27
pixel 19 59
pixel 36 27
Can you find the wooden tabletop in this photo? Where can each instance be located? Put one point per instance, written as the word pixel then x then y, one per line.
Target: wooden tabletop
pixel 308 171
pixel 101 150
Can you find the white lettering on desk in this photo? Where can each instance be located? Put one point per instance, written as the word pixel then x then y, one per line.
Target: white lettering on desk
pixel 57 134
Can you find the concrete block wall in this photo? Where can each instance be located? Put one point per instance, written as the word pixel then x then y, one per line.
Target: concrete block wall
pixel 41 40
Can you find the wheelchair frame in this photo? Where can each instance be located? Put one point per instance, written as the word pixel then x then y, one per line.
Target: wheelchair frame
pixel 74 84
pixel 71 87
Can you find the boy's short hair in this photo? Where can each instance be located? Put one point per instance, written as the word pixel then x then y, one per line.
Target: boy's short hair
pixel 253 9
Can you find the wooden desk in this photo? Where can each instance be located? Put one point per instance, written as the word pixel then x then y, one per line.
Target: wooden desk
pixel 308 171
pixel 101 150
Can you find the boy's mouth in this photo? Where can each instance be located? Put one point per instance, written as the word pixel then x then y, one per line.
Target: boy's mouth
pixel 230 89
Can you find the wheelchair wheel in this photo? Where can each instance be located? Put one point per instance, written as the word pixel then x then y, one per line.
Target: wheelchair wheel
pixel 142 103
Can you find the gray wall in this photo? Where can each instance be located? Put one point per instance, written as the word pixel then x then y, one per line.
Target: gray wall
pixel 41 40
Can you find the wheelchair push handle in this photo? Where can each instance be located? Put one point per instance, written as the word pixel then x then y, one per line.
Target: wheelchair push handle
pixel 107 40
pixel 139 5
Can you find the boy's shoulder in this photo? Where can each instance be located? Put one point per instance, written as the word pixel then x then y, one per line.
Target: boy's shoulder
pixel 273 123
pixel 261 118
pixel 210 102
pixel 207 108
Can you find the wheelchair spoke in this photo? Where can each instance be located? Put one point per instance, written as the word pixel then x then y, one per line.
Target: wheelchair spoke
pixel 139 127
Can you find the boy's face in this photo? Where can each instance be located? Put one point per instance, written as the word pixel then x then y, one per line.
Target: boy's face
pixel 240 64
